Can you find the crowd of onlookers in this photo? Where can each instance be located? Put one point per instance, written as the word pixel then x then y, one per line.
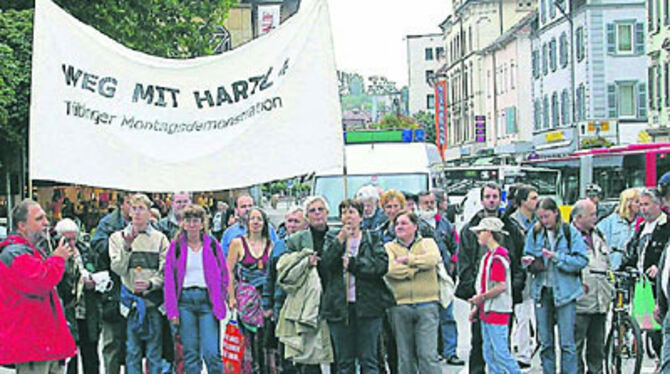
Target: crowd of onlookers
pixel 367 293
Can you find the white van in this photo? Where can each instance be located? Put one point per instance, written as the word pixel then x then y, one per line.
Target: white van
pixel 407 167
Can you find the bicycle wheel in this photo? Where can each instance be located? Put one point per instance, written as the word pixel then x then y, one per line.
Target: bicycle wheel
pixel 624 347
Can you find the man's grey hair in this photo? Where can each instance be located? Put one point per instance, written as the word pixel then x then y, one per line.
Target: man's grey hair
pixel 653 194
pixel 312 199
pixel 66 225
pixel 294 209
pixel 580 207
pixel 367 193
pixel 20 212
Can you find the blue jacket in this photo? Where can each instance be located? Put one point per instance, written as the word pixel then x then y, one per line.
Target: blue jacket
pixel 568 264
pixel 617 231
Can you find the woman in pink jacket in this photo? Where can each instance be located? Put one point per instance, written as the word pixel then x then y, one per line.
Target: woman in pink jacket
pixel 196 280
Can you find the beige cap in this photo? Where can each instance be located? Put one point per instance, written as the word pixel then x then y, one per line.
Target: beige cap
pixel 493 224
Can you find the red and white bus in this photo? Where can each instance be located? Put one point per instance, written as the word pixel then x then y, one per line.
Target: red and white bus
pixel 614 169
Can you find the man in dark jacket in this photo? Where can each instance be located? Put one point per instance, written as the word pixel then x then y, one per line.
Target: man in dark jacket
pixel 113 324
pixel 644 249
pixel 33 331
pixel 469 257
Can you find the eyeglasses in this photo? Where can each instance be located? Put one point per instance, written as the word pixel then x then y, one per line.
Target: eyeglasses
pixel 316 209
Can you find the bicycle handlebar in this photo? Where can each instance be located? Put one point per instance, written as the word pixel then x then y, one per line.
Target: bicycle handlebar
pixel 628 272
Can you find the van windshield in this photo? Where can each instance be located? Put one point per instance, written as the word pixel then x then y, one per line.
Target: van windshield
pixel 330 187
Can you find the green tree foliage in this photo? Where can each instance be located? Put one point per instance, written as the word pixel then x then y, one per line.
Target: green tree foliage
pixel 166 28
pixel 391 121
pixel 427 121
pixel 16 30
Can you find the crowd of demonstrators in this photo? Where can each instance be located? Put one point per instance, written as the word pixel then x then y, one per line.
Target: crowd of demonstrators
pixel 361 296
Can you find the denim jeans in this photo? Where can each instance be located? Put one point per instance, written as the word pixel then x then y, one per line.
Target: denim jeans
pixel 354 339
pixel 548 315
pixel 199 331
pixel 495 347
pixel 153 344
pixel 415 328
pixel 448 331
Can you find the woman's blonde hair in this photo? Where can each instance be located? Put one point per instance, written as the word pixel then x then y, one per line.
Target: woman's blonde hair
pixel 624 210
pixel 393 194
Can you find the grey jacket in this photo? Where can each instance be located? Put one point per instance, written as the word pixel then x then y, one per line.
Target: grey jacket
pixel 599 291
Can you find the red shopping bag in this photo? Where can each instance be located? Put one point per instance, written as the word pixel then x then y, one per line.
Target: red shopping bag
pixel 178 354
pixel 232 348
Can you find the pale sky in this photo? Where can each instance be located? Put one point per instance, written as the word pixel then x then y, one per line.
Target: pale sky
pixel 368 34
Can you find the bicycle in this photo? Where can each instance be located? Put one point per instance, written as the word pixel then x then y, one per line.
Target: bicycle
pixel 624 349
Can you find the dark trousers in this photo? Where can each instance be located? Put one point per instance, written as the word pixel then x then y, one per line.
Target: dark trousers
pixel 389 351
pixel 356 338
pixel 476 362
pixel 88 350
pixel 590 332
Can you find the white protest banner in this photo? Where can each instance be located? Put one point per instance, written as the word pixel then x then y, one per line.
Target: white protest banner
pixel 107 116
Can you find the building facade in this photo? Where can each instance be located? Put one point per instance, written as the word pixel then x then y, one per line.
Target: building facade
pixel 658 74
pixel 472 27
pixel 589 75
pixel 424 53
pixel 509 109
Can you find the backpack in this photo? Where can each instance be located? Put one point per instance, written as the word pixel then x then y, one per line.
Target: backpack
pixel 566 233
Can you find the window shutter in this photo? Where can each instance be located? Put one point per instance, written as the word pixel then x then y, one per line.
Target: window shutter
pixel 639 38
pixel 642 101
pixel 552 54
pixel 510 120
pixel 564 50
pixel 611 100
pixel 552 9
pixel 545 67
pixel 611 38
pixel 534 64
pixel 580 40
